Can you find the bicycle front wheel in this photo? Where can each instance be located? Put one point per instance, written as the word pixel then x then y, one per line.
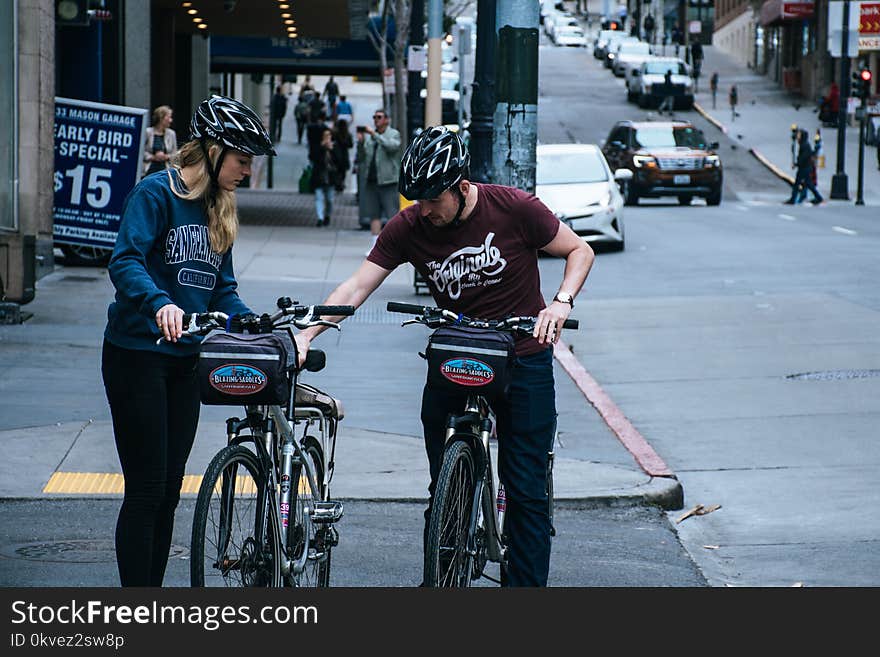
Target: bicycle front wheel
pixel 304 536
pixel 448 562
pixel 234 536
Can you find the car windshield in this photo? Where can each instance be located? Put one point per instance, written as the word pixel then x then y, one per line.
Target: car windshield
pixel 636 48
pixel 660 68
pixel 567 168
pixel 661 137
pixel 449 83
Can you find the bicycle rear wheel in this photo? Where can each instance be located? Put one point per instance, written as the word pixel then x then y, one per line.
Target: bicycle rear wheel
pixel 447 560
pixel 234 536
pixel 317 539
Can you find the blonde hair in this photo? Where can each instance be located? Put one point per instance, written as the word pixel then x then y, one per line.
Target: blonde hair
pixel 223 215
pixel 160 113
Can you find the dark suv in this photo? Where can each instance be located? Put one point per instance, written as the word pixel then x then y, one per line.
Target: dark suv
pixel 667 158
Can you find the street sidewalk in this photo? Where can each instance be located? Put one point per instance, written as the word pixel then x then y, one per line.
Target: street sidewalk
pixel 765 116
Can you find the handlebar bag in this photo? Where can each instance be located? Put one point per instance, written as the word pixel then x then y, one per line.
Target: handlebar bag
pixel 242 369
pixel 465 359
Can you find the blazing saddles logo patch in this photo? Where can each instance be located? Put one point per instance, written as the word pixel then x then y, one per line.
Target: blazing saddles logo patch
pixel 238 379
pixel 467 371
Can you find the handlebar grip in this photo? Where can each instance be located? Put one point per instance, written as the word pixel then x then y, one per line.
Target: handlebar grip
pixel 570 324
pixel 334 310
pixel 412 309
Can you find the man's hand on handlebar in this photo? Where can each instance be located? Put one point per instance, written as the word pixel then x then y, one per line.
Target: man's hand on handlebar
pixel 303 343
pixel 548 324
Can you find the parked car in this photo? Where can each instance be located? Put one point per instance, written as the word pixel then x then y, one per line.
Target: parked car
pixel 650 86
pixel 630 53
pixel 450 95
pixel 667 158
pixel 601 38
pixel 609 42
pixel 613 43
pixel 569 35
pixel 576 183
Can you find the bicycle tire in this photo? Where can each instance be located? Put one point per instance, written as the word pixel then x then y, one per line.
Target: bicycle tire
pixel 316 573
pixel 226 493
pixel 447 561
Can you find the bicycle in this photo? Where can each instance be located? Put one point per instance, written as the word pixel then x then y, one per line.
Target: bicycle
pixel 466 525
pixel 263 515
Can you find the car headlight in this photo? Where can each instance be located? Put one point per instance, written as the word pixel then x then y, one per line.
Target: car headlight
pixel 712 161
pixel 644 161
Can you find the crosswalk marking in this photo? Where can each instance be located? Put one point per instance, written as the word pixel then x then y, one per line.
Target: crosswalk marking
pixel 111 483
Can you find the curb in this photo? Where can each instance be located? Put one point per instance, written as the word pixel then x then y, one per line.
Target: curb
pixel 775 170
pixel 779 173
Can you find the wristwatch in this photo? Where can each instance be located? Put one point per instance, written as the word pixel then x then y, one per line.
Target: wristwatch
pixel 564 297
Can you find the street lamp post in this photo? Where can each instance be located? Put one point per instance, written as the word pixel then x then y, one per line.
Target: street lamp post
pixel 839 184
pixel 483 94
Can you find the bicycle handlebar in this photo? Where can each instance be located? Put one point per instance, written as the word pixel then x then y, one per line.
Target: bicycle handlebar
pixel 288 313
pixel 442 316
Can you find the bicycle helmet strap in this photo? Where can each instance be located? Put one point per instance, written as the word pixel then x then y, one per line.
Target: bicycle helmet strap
pixel 213 172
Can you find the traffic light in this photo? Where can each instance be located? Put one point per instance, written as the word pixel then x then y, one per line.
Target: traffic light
pixel 72 12
pixel 861 83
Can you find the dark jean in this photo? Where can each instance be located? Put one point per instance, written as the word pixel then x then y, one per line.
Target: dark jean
pixel 154 401
pixel 526 425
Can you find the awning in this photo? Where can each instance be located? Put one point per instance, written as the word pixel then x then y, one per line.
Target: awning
pixel 776 12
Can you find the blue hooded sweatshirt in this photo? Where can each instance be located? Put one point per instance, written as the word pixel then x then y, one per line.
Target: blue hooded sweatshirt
pixel 163 255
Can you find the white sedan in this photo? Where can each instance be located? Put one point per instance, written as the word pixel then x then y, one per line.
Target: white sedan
pixel 576 183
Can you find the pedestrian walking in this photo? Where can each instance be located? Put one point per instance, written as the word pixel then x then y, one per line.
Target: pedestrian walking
pixel 677 38
pixel 344 143
pixel 277 113
pixel 713 87
pixel 733 99
pixel 378 162
pixel 697 60
pixel 477 245
pixel 344 110
pixel 173 254
pixel 331 93
pixel 668 103
pixel 806 162
pixel 327 169
pixel 649 28
pixel 301 114
pixel 160 143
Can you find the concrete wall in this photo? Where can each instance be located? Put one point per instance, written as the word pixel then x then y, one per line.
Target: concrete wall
pixel 136 22
pixel 737 38
pixel 36 105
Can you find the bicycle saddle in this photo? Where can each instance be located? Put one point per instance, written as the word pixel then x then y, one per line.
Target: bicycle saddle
pixel 306 395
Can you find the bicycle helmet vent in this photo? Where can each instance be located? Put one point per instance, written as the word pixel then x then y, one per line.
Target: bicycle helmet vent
pixel 434 161
pixel 231 123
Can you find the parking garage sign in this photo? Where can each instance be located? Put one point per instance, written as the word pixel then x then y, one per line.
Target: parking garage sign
pixel 98 160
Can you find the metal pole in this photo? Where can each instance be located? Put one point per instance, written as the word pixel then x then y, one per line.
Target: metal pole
pixel 483 97
pixel 839 183
pixel 270 163
pixel 415 108
pixel 516 109
pixel 459 43
pixel 860 188
pixel 433 109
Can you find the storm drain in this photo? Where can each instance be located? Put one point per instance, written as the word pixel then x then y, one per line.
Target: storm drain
pixel 834 375
pixel 73 551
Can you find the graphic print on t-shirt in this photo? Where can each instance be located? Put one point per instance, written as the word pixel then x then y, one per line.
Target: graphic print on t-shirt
pixel 470 266
pixel 190 243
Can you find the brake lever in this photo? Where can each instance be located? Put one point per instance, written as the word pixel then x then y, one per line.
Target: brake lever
pixel 413 321
pixel 316 322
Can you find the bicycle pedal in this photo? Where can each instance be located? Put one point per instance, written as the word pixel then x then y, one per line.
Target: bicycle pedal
pixel 328 511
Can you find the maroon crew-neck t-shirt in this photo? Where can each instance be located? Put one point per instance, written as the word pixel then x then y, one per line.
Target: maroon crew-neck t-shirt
pixel 485 268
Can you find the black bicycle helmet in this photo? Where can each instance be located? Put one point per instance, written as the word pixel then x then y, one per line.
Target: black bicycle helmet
pixel 232 124
pixel 435 160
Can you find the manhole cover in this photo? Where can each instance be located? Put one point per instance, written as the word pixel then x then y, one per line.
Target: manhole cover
pixel 830 375
pixel 74 551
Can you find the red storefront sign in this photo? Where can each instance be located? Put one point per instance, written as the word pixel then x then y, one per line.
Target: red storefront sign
pixel 869 18
pixel 797 9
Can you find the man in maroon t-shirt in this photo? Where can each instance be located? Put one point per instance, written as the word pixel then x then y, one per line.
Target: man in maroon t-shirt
pixel 477 247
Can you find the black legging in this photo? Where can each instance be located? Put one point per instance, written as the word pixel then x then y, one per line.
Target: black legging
pixel 154 401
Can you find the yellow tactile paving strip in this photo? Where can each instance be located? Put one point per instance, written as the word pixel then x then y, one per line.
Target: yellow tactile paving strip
pixel 106 483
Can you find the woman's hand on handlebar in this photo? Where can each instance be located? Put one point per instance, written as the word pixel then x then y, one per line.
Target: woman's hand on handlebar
pixel 169 319
pixel 548 324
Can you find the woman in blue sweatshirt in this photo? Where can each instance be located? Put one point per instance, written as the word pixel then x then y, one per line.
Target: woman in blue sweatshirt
pixel 173 256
